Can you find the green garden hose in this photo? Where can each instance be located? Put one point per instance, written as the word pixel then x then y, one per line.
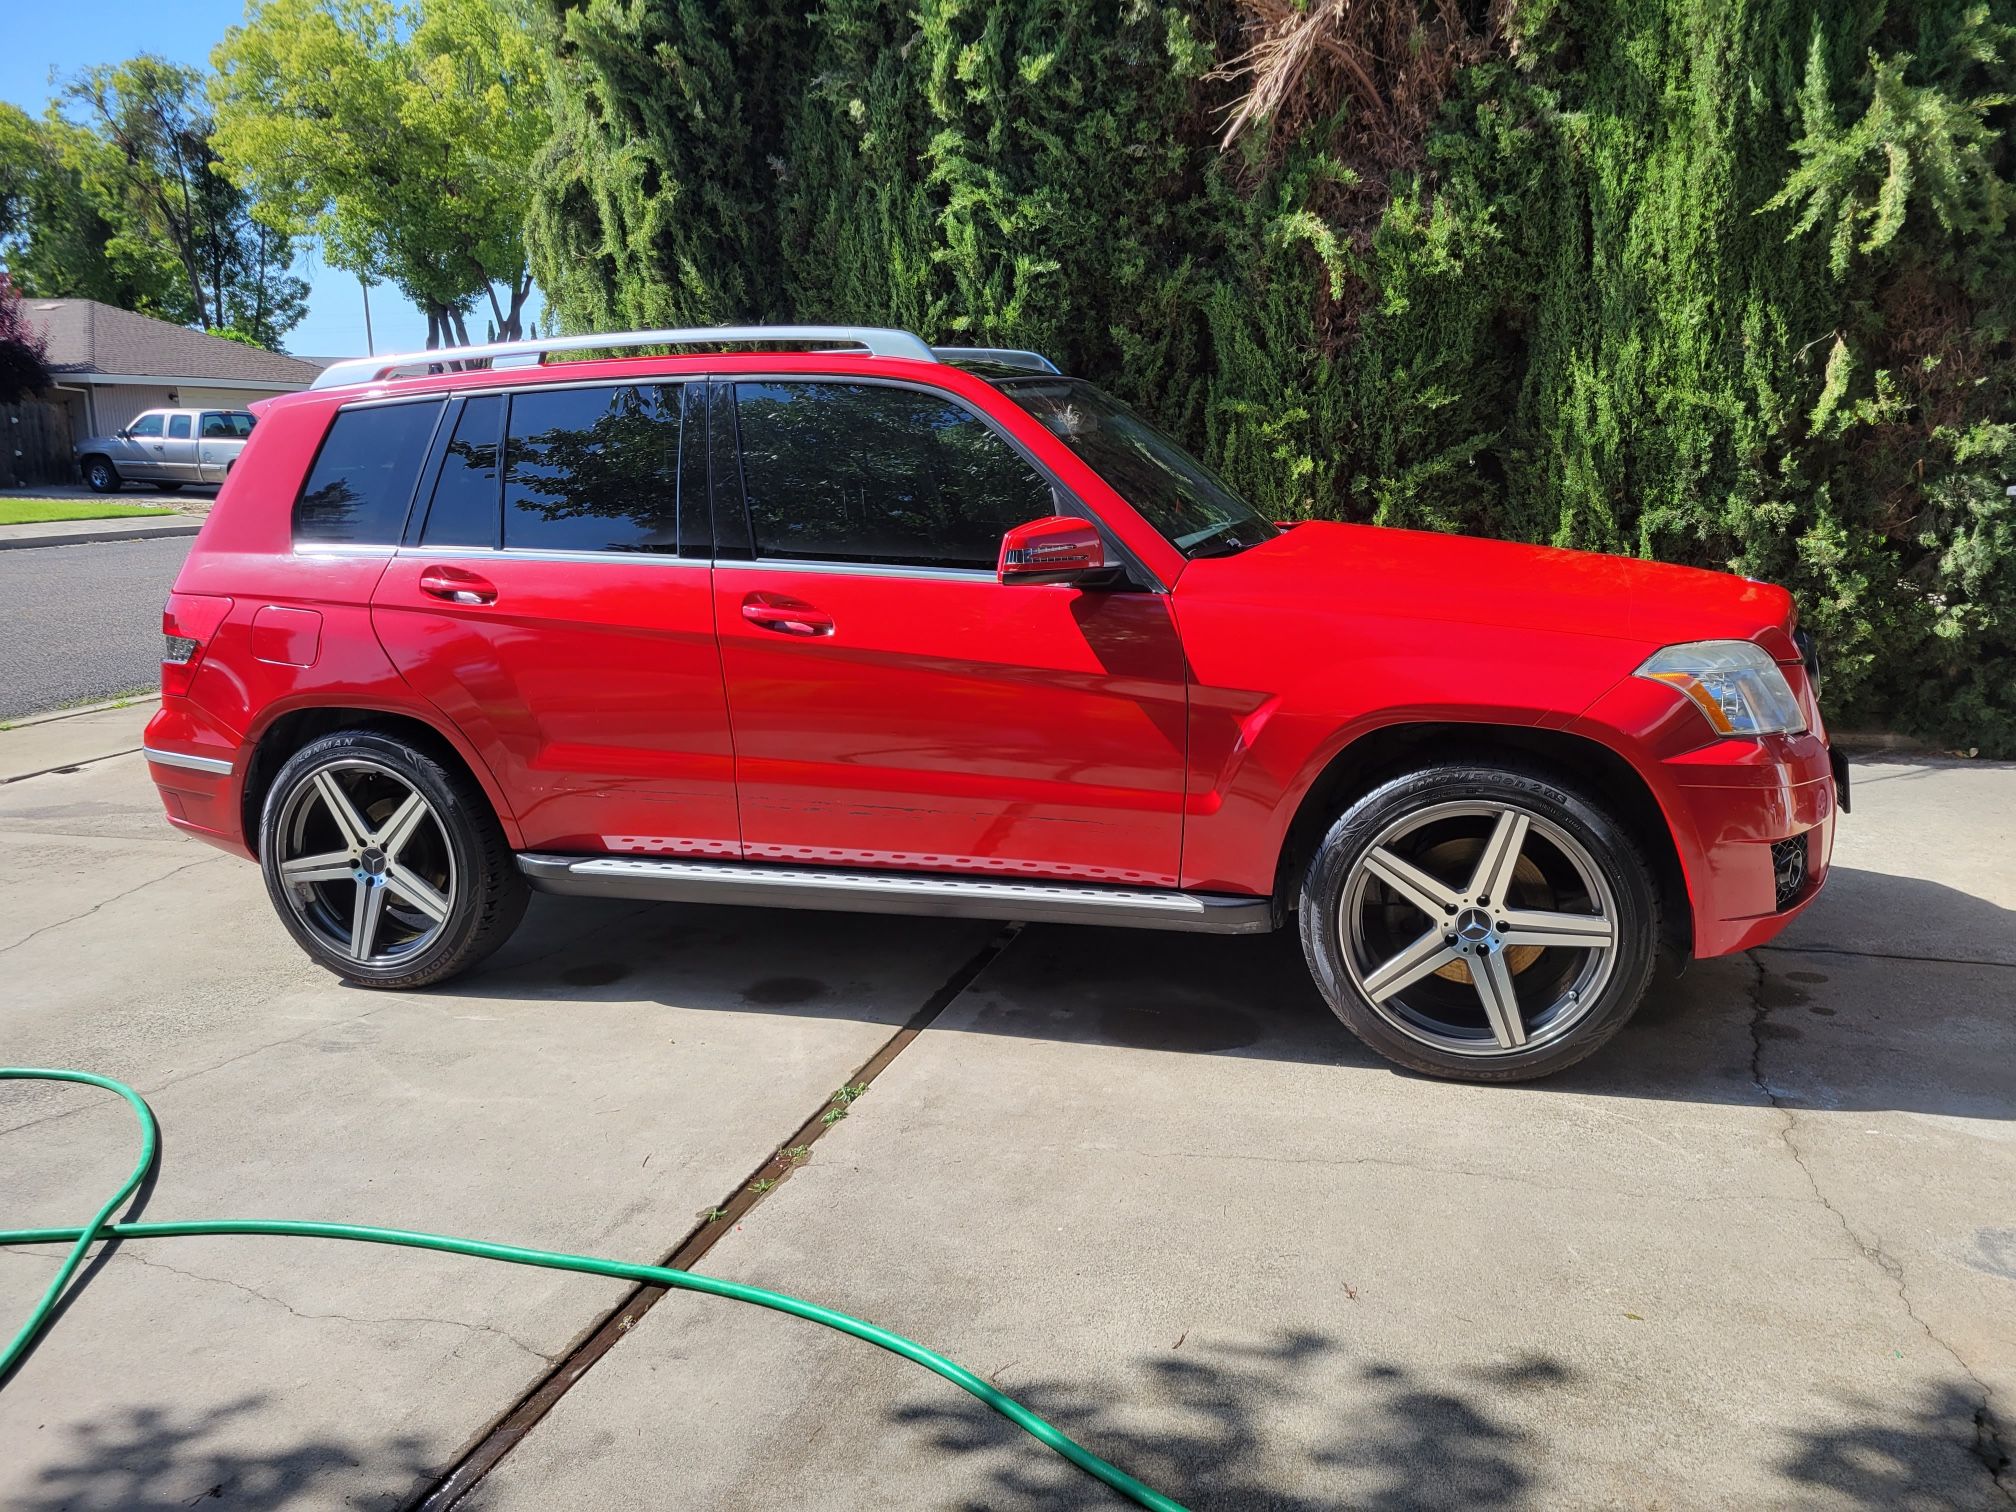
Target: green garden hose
pixel 100 1227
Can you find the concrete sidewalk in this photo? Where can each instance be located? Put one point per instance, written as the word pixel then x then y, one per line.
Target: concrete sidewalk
pixel 85 532
pixel 29 747
pixel 1760 1251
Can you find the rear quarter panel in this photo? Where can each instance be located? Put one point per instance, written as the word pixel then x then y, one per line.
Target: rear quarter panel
pixel 245 552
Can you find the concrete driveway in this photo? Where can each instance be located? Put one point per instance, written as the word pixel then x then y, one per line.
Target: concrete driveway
pixel 1761 1251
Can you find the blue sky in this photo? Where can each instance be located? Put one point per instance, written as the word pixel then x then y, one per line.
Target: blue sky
pixel 67 36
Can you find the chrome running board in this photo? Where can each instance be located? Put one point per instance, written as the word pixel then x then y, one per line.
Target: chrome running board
pixel 896 893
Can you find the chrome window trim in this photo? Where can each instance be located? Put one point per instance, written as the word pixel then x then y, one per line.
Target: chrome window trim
pixel 540 554
pixel 209 764
pixel 860 569
pixel 345 549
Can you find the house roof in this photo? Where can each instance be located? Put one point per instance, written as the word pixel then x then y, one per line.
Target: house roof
pixel 87 337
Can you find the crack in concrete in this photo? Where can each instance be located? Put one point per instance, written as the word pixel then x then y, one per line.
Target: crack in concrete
pixel 128 1253
pixel 1987 1446
pixel 108 902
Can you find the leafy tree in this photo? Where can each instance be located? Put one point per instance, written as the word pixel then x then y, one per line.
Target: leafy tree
pixel 1726 282
pixel 161 179
pixel 402 137
pixel 66 233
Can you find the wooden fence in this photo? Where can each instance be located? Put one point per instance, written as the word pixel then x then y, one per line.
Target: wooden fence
pixel 35 445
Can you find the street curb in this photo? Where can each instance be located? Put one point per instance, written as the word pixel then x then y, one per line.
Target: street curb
pixel 29 721
pixel 143 530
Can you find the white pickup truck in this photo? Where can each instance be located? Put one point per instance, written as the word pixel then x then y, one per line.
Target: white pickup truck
pixel 167 447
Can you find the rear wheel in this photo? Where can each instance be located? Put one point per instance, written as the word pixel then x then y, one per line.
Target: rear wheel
pixel 387 866
pixel 169 487
pixel 101 475
pixel 1483 923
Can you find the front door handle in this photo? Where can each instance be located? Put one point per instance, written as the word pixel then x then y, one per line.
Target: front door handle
pixel 787 616
pixel 457 586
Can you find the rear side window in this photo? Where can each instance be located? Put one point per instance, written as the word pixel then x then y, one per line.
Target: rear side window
pixel 226 425
pixel 848 472
pixel 464 512
pixel 363 477
pixel 593 469
pixel 178 427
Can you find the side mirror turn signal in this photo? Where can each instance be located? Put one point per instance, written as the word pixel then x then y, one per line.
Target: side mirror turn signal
pixel 1054 549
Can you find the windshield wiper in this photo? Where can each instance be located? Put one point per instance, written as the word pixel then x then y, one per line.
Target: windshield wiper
pixel 1222 541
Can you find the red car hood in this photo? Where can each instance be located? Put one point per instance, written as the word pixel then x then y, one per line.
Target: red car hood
pixel 1423 575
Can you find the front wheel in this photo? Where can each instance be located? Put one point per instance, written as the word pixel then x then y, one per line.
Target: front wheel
pixel 101 475
pixel 388 867
pixel 1480 922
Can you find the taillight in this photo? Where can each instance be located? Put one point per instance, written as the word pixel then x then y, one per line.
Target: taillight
pixel 188 620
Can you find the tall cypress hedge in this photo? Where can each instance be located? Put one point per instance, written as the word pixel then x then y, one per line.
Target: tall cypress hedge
pixel 1726 282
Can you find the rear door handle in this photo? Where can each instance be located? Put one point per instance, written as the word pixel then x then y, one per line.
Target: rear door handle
pixel 787 616
pixel 457 586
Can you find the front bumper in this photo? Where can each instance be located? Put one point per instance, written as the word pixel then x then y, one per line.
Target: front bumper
pixel 1727 803
pixel 1737 802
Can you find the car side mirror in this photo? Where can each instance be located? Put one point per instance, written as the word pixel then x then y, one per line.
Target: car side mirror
pixel 1054 549
pixel 121 434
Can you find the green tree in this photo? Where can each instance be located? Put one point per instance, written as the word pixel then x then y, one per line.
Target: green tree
pixel 401 137
pixel 65 232
pixel 1725 282
pixel 161 180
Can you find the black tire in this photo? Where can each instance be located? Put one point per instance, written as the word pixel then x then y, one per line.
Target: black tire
pixel 484 891
pixel 169 487
pixel 1417 1024
pixel 102 476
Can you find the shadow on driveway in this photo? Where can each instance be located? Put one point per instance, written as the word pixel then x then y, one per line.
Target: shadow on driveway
pixel 1842 1031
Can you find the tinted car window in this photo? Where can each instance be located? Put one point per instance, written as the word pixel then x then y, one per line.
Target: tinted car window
pixel 870 473
pixel 178 427
pixel 464 509
pixel 363 476
pixel 146 425
pixel 227 425
pixel 593 469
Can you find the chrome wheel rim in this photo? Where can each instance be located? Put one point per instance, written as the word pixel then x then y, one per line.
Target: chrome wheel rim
pixel 365 864
pixel 1479 929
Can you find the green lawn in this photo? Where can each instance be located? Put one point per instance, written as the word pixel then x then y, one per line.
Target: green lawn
pixel 41 511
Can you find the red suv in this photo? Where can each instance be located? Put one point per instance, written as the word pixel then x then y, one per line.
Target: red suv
pixel 873 626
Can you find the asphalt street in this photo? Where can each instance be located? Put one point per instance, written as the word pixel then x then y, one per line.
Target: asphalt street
pixel 84 621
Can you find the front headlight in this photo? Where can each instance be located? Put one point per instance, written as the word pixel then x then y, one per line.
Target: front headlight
pixel 1734 683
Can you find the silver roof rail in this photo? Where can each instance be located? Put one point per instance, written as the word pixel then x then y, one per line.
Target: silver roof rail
pixel 878 341
pixel 1013 357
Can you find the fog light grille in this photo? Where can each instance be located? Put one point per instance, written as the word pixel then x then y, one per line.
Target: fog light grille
pixel 1788 864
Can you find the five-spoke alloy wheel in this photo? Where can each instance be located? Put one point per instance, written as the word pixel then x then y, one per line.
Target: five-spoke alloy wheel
pixel 365 862
pixel 386 864
pixel 1480 922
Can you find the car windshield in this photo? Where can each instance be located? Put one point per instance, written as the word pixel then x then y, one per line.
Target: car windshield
pixel 1191 505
